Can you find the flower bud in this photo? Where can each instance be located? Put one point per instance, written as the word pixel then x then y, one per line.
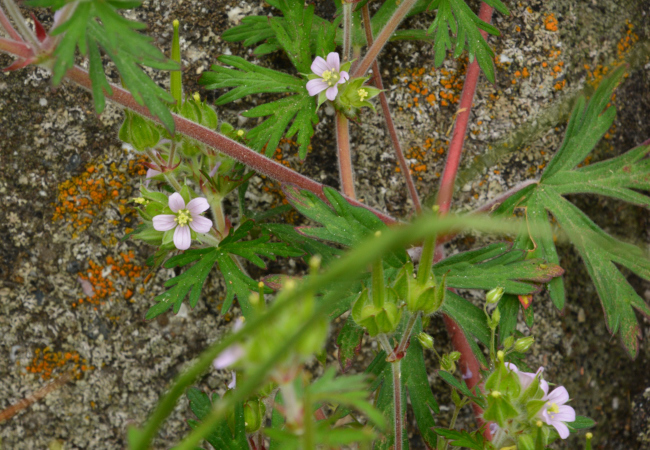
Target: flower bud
pixel 522 345
pixel 508 342
pixel 493 322
pixel 494 295
pixel 454 356
pixel 376 319
pixel 426 340
pixel 139 132
pixel 254 413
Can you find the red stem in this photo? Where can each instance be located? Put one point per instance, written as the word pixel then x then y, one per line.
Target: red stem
pixel 460 129
pixel 8 27
pixel 346 173
pixel 241 153
pixel 16 48
pixel 392 131
pixel 468 362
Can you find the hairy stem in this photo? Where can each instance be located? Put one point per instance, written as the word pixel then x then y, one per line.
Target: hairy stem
pixel 426 260
pixel 406 336
pixel 382 38
pixel 468 363
pixel 16 48
pixel 392 131
pixel 223 144
pixel 397 402
pixel 22 26
pixel 347 30
pixel 6 25
pixel 346 174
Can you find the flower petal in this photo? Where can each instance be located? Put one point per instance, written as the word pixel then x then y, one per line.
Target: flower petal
pixel 331 93
pixel 152 173
pixel 164 222
pixel 561 428
pixel 315 87
pixel 201 224
pixel 344 77
pixel 319 66
pixel 228 357
pixel 182 238
pixel 176 202
pixel 565 414
pixel 197 205
pixel 559 395
pixel 333 61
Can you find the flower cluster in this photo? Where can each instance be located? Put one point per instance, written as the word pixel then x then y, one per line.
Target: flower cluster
pixel 522 408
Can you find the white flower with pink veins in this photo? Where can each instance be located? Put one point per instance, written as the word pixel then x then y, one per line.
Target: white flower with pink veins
pixel 183 219
pixel 330 76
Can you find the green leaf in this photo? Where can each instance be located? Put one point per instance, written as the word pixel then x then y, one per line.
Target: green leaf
pixel 251 79
pixel 97 23
pixel 457 17
pixel 497 266
pixel 311 247
pixel 191 281
pixel 474 440
pixel 471 319
pixel 509 308
pixel 451 380
pixel 349 343
pixel 582 423
pixel 622 178
pixel 414 373
pixel 221 436
pixel 342 223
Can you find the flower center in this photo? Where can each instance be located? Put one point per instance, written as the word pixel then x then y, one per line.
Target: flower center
pixel 183 217
pixel 554 408
pixel 331 77
pixel 362 94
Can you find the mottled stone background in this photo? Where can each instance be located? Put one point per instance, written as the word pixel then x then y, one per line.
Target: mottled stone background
pixel 70 290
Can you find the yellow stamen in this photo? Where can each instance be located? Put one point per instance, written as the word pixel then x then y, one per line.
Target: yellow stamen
pixel 554 408
pixel 331 77
pixel 362 94
pixel 183 217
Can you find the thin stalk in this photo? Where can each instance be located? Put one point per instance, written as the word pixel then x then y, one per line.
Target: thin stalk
pixel 291 404
pixel 378 292
pixel 382 38
pixel 397 402
pixel 460 128
pixel 219 216
pixel 346 174
pixel 406 336
pixel 308 432
pixel 392 131
pixel 6 25
pixel 347 30
pixel 452 424
pixel 223 144
pixel 22 26
pixel 385 345
pixel 168 176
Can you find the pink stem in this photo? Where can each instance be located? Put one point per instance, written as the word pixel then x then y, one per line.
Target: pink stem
pixel 8 27
pixel 16 48
pixel 223 144
pixel 468 362
pixel 392 131
pixel 346 173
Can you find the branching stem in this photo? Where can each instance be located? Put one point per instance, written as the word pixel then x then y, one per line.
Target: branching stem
pixel 22 26
pixel 6 25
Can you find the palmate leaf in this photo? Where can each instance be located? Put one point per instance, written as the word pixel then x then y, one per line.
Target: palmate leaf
pixel 221 435
pixel 237 282
pixel 97 24
pixel 342 223
pixel 622 178
pixel 457 17
pixel 251 79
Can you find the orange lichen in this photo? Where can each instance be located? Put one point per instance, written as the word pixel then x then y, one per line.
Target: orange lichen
pixel 48 363
pixel 550 22
pixel 82 197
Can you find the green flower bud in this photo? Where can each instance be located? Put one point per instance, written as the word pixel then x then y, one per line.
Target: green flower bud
pixel 254 413
pixel 522 345
pixel 425 340
pixel 447 364
pixel 377 319
pixel 494 295
pixel 508 342
pixel 493 322
pixel 499 409
pixel 139 132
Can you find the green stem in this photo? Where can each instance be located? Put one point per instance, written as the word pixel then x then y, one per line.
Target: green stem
pixel 378 291
pixel 426 260
pixel 176 84
pixel 406 336
pixel 452 424
pixel 397 402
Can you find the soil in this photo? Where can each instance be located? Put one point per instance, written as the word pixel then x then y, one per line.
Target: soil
pixel 52 141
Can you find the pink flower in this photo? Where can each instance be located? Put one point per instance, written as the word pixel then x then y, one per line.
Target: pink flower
pixel 526 378
pixel 232 354
pixel 183 219
pixel 556 413
pixel 331 76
